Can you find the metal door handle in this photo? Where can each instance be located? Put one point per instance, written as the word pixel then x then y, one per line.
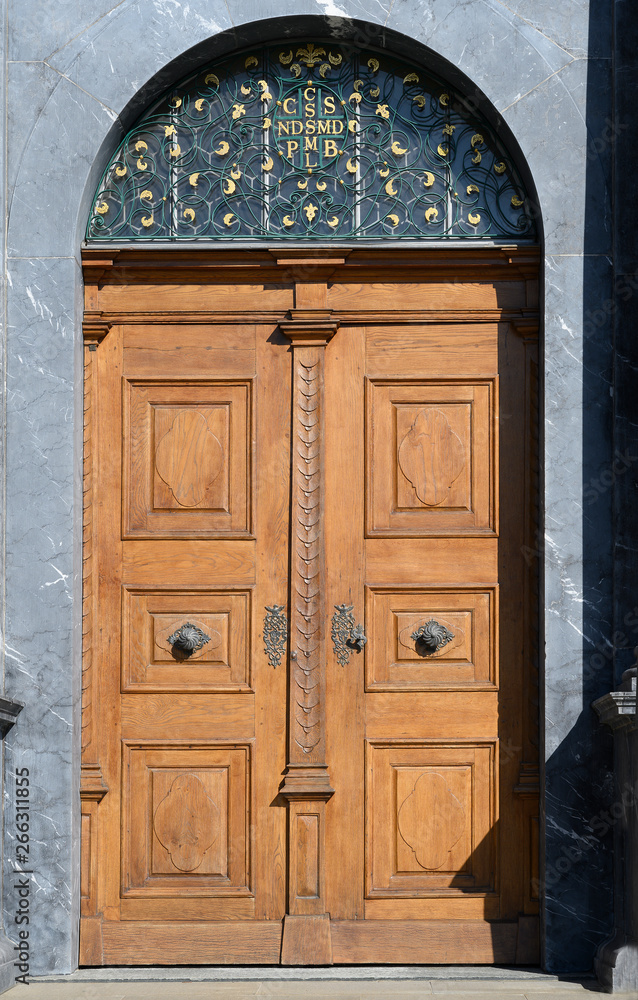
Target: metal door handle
pixel 275 633
pixel 346 635
pixel 432 636
pixel 188 638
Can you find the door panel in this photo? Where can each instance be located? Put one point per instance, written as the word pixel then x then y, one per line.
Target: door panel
pixel 304 458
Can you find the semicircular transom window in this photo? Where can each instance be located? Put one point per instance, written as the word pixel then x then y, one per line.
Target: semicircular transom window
pixel 311 141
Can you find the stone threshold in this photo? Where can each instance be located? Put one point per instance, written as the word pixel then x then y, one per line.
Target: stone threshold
pixel 251 973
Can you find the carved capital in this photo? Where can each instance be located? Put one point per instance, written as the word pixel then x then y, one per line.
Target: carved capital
pixel 9 712
pixel 526 325
pixel 310 327
pixel 617 709
pixel 94 328
pixel 92 786
pixel 96 264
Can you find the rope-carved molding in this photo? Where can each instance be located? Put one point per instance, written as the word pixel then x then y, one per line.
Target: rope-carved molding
pixel 311 141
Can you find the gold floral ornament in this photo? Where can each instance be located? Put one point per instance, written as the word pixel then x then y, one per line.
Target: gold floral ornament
pixel 251 61
pixel 121 171
pixel 189 214
pixel 140 146
pixel 268 165
pixel 169 130
pixel 357 85
pixel 448 129
pixel 411 78
pixel 235 172
pixel 267 122
pixel 238 111
pixel 321 186
pixel 474 218
pixel 383 110
pixel 335 60
pixel 431 214
pixel 419 100
pixel 333 222
pixel 472 189
pixel 355 97
pixel 295 69
pixel 211 78
pixel 516 201
pixel 101 208
pixel 310 211
pixel 385 170
pixel 146 195
pixel 390 189
pixel 265 93
pixel 442 149
pixel 199 103
pixel 175 101
pixel 228 218
pixel 444 100
pixel 394 219
pixel 397 149
pixel 141 164
pixel 288 222
pixel 500 167
pixel 428 180
pixel 193 179
pixel 352 125
pixel 373 64
pixel 351 166
pixel 302 185
pixel 311 55
pixel 476 140
pixel 323 69
pixel 245 89
pixel 223 149
pixel 374 92
pixel 285 59
pixel 230 185
pixel 175 150
pixel 147 220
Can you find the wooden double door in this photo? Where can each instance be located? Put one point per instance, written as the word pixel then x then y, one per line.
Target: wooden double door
pixel 309 682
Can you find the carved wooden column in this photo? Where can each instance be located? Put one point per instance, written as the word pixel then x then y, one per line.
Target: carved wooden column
pixel 306 785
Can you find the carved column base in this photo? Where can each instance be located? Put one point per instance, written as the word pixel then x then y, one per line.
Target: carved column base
pixel 306 940
pixel 616 963
pixel 306 781
pixel 307 789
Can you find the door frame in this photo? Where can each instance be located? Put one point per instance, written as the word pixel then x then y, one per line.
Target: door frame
pixel 452 265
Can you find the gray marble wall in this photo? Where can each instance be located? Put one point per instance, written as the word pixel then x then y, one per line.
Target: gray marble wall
pixel 78 72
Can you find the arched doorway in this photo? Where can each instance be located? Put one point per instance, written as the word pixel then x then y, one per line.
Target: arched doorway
pixel 309 715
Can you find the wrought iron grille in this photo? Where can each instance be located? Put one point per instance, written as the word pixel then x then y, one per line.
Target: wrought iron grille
pixel 308 141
